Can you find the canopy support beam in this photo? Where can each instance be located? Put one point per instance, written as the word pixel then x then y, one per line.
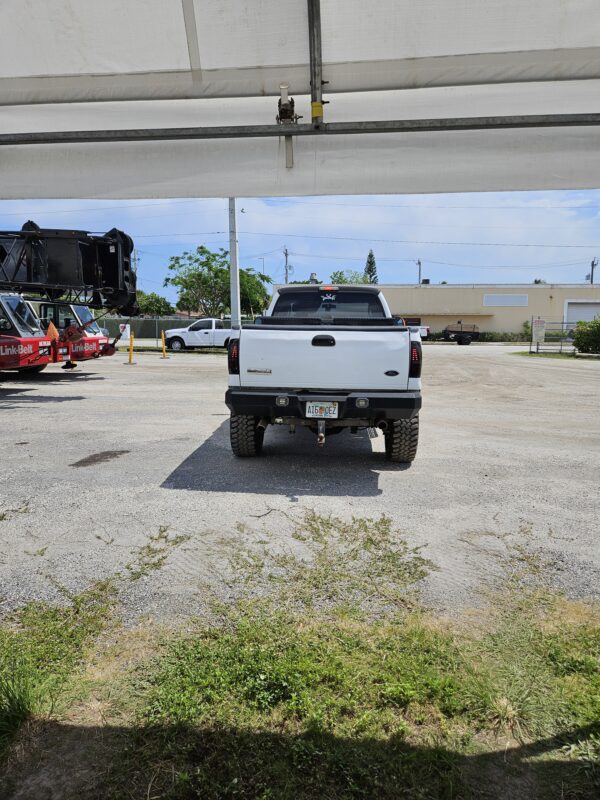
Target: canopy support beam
pixel 324 129
pixel 316 61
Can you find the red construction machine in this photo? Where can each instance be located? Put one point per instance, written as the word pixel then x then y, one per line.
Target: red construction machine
pixel 49 280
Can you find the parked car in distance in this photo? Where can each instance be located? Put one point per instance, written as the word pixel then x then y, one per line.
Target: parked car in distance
pixel 207 332
pixel 460 333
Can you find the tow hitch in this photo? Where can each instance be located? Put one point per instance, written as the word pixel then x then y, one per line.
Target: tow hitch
pixel 320 432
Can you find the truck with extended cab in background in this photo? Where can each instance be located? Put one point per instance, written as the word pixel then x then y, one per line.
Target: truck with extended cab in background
pixel 328 358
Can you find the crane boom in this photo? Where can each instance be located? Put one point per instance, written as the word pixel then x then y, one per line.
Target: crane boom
pixel 75 266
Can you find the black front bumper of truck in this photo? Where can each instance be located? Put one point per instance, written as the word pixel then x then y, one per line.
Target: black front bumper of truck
pixel 271 403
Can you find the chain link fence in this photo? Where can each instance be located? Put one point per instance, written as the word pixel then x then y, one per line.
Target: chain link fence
pixel 147 330
pixel 552 337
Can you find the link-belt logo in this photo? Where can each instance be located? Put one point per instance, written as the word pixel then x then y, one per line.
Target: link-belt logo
pixel 84 348
pixel 16 349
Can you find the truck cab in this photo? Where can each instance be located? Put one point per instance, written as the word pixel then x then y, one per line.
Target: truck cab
pixel 206 332
pixel 24 345
pixel 88 342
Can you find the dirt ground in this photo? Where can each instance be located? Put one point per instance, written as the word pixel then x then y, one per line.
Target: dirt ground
pixel 96 461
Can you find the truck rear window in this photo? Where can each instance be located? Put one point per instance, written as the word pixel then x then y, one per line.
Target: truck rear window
pixel 329 305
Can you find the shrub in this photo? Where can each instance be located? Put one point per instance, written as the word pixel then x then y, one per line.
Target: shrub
pixel 587 336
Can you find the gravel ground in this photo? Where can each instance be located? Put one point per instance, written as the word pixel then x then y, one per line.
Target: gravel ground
pixel 97 460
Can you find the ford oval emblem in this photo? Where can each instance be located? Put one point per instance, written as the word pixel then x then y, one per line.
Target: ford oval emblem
pixel 392 373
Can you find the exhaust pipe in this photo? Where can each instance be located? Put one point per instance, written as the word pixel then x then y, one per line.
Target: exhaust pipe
pixel 382 425
pixel 263 422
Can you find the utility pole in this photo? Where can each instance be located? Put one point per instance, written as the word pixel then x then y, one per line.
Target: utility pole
pixel 287 268
pixel 263 265
pixel 234 270
pixel 419 266
pixel 594 265
pixel 135 260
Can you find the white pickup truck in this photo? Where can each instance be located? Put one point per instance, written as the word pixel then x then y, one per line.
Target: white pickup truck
pixel 328 358
pixel 207 332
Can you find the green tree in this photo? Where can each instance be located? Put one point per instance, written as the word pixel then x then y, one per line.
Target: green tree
pixel 348 276
pixel 371 269
pixel 202 279
pixel 153 304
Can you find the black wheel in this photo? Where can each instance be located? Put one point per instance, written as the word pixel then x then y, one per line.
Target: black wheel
pixel 32 370
pixel 176 344
pixel 402 439
pixel 467 340
pixel 226 344
pixel 245 435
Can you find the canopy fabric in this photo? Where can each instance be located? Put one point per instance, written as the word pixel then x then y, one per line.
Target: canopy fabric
pixel 65 51
pixel 87 65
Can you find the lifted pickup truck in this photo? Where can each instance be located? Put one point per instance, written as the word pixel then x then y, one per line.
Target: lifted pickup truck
pixel 327 358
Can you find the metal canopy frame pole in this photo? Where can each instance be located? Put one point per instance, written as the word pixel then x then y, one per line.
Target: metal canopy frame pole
pixel 316 61
pixel 324 129
pixel 234 269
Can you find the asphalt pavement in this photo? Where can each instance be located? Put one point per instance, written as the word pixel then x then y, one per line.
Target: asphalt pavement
pixel 96 461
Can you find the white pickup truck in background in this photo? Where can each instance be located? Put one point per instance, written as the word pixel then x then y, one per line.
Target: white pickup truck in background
pixel 207 332
pixel 327 358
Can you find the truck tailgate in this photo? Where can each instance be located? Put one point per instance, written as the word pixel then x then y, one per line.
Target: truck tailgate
pixel 325 358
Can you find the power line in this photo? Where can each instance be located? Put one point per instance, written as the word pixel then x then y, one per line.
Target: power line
pixel 422 205
pixel 445 263
pixel 97 208
pixel 370 239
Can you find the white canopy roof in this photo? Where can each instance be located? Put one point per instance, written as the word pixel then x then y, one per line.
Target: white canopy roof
pixel 117 64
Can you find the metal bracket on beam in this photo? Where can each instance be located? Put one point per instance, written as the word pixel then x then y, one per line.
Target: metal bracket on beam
pixel 287 117
pixel 325 129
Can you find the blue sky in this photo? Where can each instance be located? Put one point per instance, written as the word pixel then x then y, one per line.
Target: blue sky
pixel 509 237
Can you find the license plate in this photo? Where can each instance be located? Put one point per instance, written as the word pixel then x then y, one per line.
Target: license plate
pixel 322 410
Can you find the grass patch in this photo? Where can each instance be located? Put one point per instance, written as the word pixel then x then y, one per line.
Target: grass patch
pixel 222 351
pixel 569 356
pixel 324 677
pixel 41 646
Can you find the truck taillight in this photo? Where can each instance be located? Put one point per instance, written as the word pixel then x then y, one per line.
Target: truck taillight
pixel 233 357
pixel 416 359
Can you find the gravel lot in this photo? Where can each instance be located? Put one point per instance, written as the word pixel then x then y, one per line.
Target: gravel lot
pixel 509 454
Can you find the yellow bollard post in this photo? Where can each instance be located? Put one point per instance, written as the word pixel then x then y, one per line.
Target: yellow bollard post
pixel 131 339
pixel 164 345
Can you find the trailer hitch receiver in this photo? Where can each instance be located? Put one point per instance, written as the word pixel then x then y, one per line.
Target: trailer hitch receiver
pixel 320 432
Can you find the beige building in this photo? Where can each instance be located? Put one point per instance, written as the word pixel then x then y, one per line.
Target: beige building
pixel 493 307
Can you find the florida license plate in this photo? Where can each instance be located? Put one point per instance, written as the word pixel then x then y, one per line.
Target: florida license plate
pixel 322 410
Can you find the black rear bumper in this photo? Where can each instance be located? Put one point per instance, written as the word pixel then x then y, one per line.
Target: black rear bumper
pixel 381 405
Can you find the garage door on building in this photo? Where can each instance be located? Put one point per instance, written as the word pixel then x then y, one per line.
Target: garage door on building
pixel 582 312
